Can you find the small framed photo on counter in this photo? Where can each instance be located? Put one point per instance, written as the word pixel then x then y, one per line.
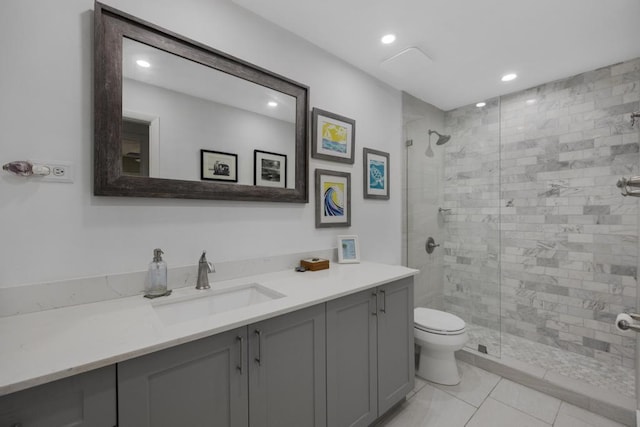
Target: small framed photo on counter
pixel 348 250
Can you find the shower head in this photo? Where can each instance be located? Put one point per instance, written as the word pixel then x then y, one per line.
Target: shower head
pixel 442 139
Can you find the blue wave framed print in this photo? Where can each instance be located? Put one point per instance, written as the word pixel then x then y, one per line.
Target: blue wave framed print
pixel 333 198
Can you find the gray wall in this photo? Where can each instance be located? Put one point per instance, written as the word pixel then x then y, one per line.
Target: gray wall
pixel 531 181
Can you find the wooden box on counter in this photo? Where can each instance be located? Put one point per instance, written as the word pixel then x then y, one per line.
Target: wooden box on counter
pixel 315 264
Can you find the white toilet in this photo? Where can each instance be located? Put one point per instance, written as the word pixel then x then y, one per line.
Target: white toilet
pixel 438 334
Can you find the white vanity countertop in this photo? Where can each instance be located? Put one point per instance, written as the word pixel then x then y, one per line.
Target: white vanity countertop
pixel 40 347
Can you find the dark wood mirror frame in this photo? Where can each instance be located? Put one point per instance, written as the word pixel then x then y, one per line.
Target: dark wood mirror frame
pixel 111 26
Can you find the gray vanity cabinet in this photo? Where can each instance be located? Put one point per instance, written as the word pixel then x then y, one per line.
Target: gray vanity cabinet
pixel 370 350
pixel 201 383
pixel 84 400
pixel 396 352
pixel 287 370
pixel 352 360
pixel 274 378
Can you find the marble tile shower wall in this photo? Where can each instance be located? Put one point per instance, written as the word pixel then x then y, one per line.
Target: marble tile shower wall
pixel 540 242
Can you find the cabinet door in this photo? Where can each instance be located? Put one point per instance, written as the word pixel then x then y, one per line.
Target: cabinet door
pixel 395 343
pixel 352 371
pixel 287 383
pixel 87 400
pixel 201 383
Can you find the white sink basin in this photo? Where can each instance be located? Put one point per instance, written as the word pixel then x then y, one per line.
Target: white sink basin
pixel 176 309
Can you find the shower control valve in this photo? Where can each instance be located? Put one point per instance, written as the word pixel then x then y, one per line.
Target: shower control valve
pixel 431 245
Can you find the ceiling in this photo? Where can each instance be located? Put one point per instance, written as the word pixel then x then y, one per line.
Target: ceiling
pixel 463 47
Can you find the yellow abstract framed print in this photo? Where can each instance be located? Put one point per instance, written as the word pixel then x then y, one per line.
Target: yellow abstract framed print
pixel 333 137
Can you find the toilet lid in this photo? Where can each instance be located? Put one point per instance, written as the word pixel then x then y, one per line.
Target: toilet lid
pixel 437 321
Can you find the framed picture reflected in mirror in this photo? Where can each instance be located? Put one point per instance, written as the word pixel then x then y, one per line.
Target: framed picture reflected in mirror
pixel 269 169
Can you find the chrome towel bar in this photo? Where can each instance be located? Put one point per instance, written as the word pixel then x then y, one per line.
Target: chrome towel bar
pixel 623 184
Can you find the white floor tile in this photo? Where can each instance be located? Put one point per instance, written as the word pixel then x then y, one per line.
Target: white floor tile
pixel 475 386
pixel 419 384
pixel 572 416
pixel 431 407
pixel 529 401
pixel 496 414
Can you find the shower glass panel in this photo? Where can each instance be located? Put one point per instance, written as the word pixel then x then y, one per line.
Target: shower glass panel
pixel 471 189
pixel 452 195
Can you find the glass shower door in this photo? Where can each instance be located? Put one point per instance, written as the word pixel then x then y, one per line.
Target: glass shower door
pixel 452 196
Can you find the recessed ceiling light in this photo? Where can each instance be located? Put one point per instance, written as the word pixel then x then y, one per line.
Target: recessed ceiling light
pixel 531 101
pixel 272 104
pixel 142 63
pixel 481 104
pixel 509 77
pixel 388 39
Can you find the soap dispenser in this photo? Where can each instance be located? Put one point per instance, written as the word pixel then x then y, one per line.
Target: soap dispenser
pixel 156 285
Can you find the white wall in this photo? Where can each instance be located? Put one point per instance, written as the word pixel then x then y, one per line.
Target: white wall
pixel 59 231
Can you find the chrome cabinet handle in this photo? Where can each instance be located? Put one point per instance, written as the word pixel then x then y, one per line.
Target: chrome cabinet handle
pixel 384 301
pixel 240 341
pixel 258 358
pixel 375 304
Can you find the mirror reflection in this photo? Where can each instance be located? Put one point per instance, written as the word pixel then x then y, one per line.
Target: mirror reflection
pixel 176 112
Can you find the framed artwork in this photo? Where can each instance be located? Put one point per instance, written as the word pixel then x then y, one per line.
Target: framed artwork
pixel 218 166
pixel 348 250
pixel 269 169
pixel 375 174
pixel 333 137
pixel 333 199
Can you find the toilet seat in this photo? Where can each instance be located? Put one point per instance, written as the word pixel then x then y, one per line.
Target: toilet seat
pixel 438 322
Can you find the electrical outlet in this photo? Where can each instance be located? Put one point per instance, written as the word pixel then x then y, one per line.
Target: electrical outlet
pixel 59 171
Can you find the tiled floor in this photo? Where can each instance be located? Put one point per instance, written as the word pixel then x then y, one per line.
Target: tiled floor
pixel 483 399
pixel 601 374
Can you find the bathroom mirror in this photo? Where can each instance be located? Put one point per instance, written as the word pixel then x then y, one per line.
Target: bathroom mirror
pixel 175 118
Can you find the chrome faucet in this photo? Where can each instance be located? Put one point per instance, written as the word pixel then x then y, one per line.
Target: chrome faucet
pixel 204 268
